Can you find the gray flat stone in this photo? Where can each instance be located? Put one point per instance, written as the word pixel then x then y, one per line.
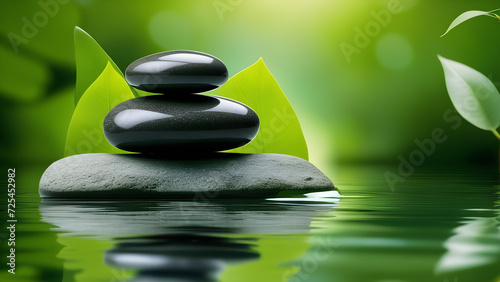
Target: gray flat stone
pixel 210 176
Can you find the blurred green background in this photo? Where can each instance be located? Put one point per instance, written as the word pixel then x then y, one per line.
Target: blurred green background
pixel 369 106
pixel 366 106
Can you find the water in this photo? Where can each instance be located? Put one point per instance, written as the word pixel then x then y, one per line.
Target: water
pixel 435 226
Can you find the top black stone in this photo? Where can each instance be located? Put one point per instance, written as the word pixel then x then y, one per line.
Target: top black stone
pixel 177 72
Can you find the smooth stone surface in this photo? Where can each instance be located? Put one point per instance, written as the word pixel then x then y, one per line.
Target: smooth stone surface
pixel 214 176
pixel 167 124
pixel 177 72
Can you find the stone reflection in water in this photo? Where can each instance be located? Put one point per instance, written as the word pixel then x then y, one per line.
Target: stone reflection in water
pixel 174 239
pixel 128 218
pixel 183 257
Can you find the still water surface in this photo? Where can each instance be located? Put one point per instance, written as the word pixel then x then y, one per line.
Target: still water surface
pixel 435 226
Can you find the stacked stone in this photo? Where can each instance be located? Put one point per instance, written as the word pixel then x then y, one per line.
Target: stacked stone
pixel 179 121
pixel 178 134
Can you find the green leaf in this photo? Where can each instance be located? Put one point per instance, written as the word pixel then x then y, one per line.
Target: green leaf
pixel 91 60
pixel 473 94
pixel 280 130
pixel 85 134
pixel 466 16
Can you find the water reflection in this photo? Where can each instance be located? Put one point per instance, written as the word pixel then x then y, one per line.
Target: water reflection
pixel 474 246
pixel 436 227
pixel 184 257
pixel 433 227
pixel 138 217
pixel 176 240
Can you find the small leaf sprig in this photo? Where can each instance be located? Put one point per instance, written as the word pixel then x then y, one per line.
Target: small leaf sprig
pixel 469 15
pixel 473 95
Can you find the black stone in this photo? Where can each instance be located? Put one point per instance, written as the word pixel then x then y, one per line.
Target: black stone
pixel 177 72
pixel 183 123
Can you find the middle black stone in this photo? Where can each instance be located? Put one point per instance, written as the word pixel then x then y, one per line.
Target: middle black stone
pixel 168 124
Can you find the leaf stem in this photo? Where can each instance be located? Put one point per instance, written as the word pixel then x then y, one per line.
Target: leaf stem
pixel 496 133
pixel 492 14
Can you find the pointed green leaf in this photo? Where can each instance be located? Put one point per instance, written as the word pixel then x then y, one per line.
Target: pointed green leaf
pixel 473 94
pixel 464 17
pixel 91 60
pixel 85 134
pixel 280 130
